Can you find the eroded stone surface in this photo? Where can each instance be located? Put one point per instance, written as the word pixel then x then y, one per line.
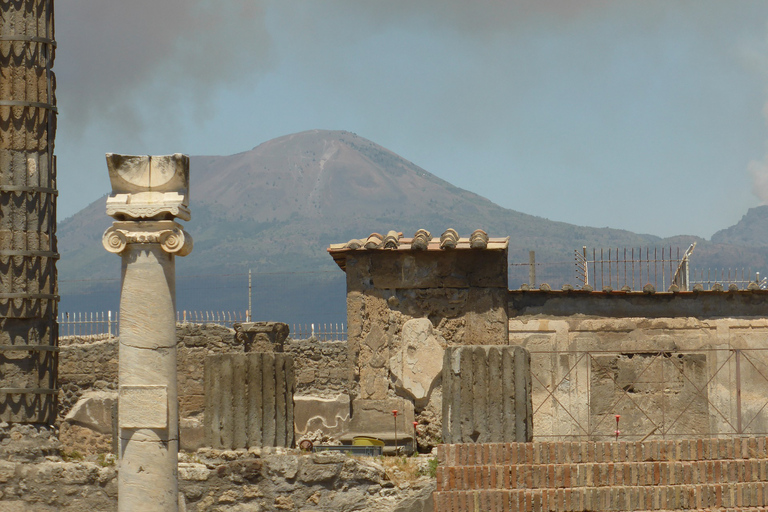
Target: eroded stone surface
pixel 94 411
pixel 143 406
pixel 419 361
pixel 329 415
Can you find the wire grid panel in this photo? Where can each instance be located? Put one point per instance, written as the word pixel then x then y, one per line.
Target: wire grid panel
pixel 634 395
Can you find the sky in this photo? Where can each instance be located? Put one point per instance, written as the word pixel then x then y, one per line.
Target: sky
pixel 643 115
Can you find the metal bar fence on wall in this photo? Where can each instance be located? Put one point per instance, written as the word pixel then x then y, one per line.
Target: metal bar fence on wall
pixel 105 323
pixel 88 324
pixel 614 268
pixel 321 332
pixel 741 277
pixel 630 268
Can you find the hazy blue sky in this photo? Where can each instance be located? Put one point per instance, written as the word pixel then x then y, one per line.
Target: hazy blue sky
pixel 642 115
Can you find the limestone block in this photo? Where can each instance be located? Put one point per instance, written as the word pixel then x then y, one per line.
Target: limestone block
pixel 419 361
pixel 191 434
pixel 94 411
pixel 374 418
pixel 329 415
pixel 143 407
pixel 487 395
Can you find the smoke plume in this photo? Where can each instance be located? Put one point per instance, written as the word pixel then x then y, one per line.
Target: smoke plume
pixel 128 63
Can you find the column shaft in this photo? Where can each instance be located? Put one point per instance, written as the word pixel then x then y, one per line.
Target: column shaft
pixel 147 353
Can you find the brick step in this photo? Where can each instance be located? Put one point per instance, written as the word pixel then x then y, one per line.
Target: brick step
pixel 617 498
pixel 554 476
pixel 564 452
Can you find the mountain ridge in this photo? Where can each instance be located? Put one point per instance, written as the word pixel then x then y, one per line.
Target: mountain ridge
pixel 278 206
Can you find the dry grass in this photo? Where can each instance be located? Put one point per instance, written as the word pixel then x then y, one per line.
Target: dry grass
pixel 408 469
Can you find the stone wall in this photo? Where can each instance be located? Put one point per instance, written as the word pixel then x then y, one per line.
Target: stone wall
pixel 91 364
pixel 407 301
pixel 88 367
pixel 223 481
pixel 459 296
pixel 323 380
pixel 668 364
pixel 322 367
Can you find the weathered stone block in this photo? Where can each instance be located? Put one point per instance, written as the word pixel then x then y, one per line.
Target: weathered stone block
pixel 143 407
pixel 191 434
pixel 94 411
pixel 487 395
pixel 249 400
pixel 330 415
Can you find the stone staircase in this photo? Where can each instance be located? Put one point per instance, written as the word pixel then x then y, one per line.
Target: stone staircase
pixel 694 474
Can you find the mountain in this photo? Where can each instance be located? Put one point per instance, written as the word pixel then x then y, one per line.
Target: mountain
pixel 275 209
pixel 750 231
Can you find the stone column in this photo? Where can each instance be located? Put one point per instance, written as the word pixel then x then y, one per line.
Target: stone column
pixel 28 252
pixel 487 395
pixel 147 194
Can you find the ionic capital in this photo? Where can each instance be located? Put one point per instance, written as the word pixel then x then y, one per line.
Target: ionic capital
pixel 169 235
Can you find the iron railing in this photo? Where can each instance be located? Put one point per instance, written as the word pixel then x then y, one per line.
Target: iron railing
pixel 631 268
pixel 321 332
pixel 742 278
pixel 106 323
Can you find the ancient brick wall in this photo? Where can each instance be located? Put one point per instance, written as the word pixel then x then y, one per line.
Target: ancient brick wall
pixel 692 474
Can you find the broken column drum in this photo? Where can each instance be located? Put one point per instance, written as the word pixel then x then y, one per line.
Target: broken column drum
pixel 249 400
pixel 28 252
pixel 487 395
pixel 147 194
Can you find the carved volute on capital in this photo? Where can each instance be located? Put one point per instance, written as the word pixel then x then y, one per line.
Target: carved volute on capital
pixel 148 192
pixel 170 235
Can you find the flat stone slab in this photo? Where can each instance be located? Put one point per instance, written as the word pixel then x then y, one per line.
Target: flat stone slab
pixel 143 407
pixel 329 415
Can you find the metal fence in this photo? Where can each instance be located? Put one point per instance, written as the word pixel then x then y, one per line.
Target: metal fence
pixel 225 318
pixel 88 325
pixel 633 268
pixel 106 323
pixel 628 268
pixel 742 278
pixel 321 332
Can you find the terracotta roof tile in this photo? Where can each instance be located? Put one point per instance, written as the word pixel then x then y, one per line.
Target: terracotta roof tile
pixel 422 241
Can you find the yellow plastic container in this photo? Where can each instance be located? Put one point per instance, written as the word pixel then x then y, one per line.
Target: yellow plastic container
pixel 366 441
